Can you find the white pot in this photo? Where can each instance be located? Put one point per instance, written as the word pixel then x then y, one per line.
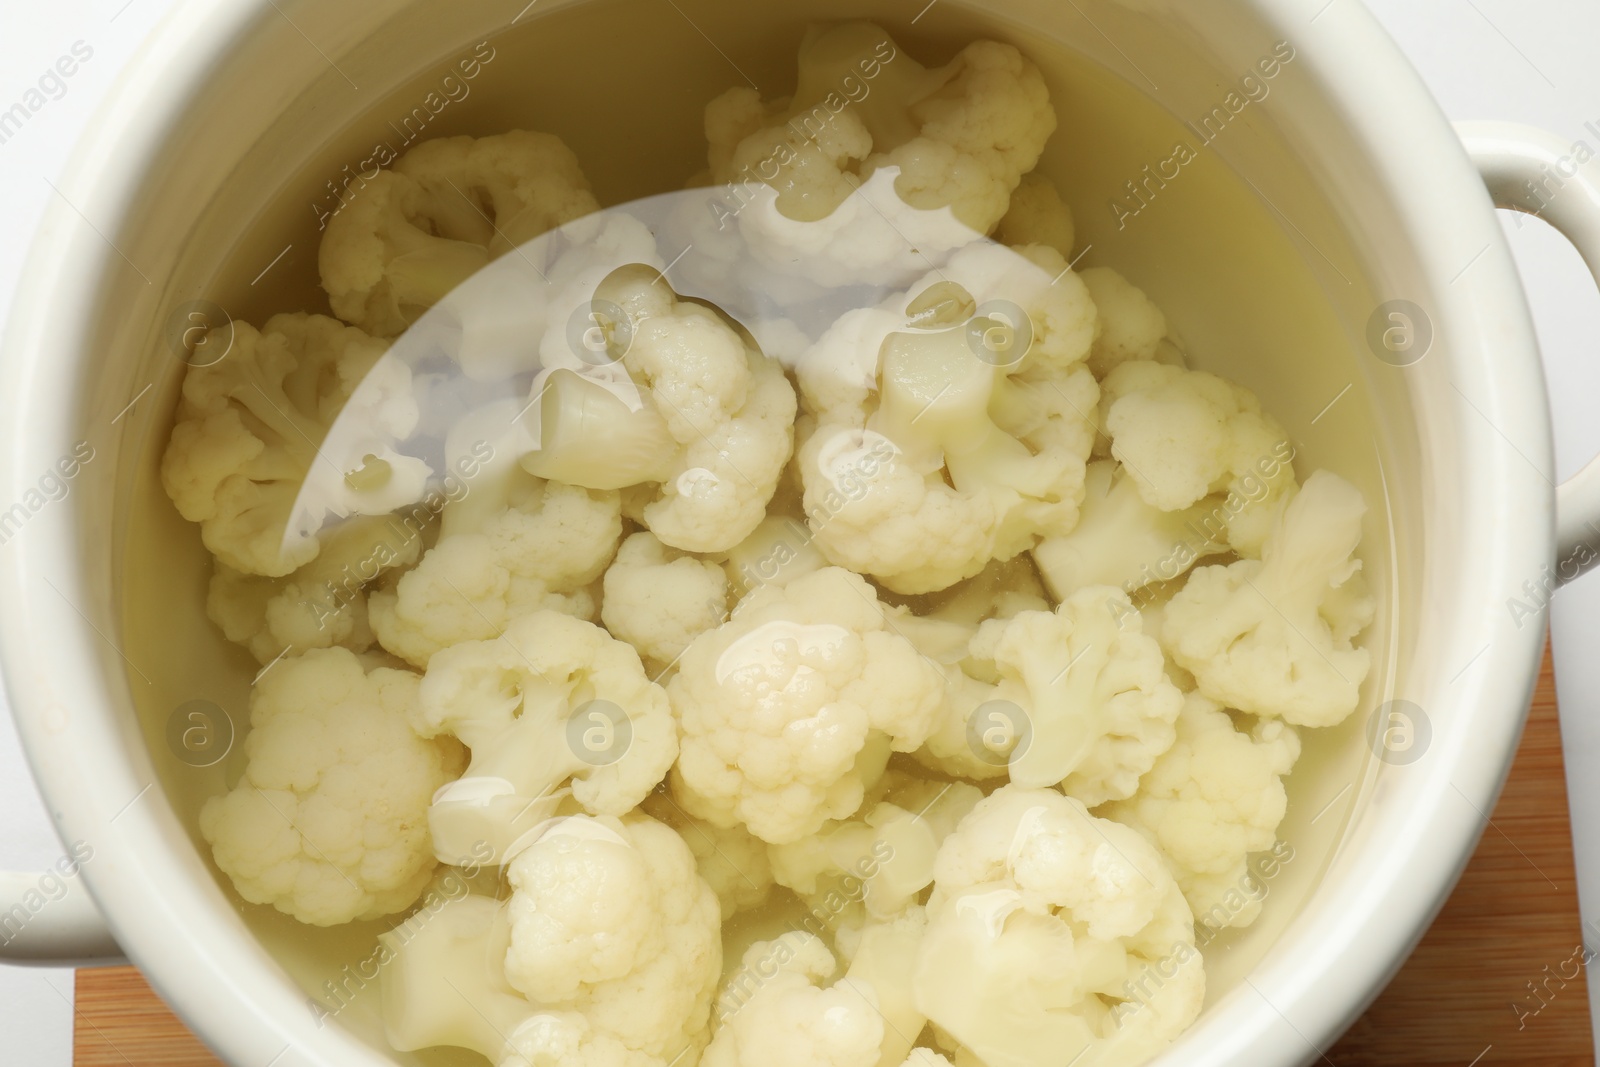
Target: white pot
pixel 1347 159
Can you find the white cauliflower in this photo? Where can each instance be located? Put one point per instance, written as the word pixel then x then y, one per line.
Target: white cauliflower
pixel 403 240
pixel 322 604
pixel 659 600
pixel 977 427
pixel 513 545
pixel 329 823
pixel 1096 705
pixel 961 136
pixel 1211 800
pixel 248 432
pixel 1055 936
pixel 1183 435
pixel 787 711
pixel 555 705
pixel 1037 216
pixel 774 1012
pixel 882 858
pixel 443 983
pixel 1272 636
pixel 610 920
pixel 1124 542
pixel 733 863
pixel 1131 326
pixel 710 420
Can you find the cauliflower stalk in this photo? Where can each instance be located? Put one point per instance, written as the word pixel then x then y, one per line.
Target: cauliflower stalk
pixel 710 421
pixel 1211 800
pixel 1273 636
pixel 329 823
pixel 1055 936
pixel 249 429
pixel 554 706
pixel 789 710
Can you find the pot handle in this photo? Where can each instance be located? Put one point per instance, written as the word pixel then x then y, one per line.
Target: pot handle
pixel 47 919
pixel 1532 170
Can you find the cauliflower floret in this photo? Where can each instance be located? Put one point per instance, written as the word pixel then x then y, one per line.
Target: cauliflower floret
pixel 774 1013
pixel 773 1010
pixel 712 421
pixel 249 428
pixel 888 852
pixel 329 822
pixel 322 604
pixel 555 704
pixel 659 600
pixel 1272 636
pixel 610 920
pixel 961 135
pixel 538 552
pixel 733 864
pixel 1131 326
pixel 790 708
pixel 969 397
pixel 1044 926
pixel 1037 216
pixel 404 239
pixel 1184 434
pixel 1096 704
pixel 444 983
pixel 1212 799
pixel 1122 541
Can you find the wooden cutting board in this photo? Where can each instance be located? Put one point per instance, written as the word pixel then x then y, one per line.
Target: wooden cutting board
pixel 1487 986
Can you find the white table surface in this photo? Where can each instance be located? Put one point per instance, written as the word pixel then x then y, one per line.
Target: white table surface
pixel 1529 60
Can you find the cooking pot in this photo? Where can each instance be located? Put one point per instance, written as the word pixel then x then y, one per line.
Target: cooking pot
pixel 1331 244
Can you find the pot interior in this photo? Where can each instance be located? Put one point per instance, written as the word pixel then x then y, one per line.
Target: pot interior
pixel 1244 249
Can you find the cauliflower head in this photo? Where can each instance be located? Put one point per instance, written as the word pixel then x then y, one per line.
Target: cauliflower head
pixel 659 600
pixel 400 242
pixel 1097 707
pixel 553 706
pixel 322 604
pixel 1211 800
pixel 610 920
pixel 248 431
pixel 1131 326
pixel 702 415
pixel 1182 435
pixel 1124 542
pixel 774 1010
pixel 789 710
pixel 1053 934
pixel 960 136
pixel 540 551
pixel 1037 216
pixel 953 423
pixel 1273 637
pixel 329 823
